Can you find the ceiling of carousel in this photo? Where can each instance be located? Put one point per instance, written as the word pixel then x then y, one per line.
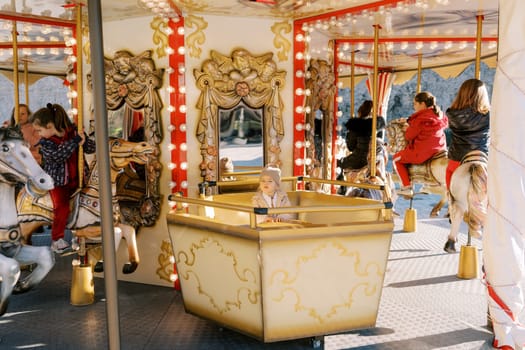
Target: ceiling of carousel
pixel 441 32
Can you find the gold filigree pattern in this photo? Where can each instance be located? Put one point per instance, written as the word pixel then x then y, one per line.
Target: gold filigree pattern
pixel 160 38
pixel 280 42
pixel 197 37
pixel 237 281
pixel 165 268
pixel 367 279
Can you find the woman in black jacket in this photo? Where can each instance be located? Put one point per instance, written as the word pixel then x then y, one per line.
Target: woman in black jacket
pixel 359 132
pixel 469 123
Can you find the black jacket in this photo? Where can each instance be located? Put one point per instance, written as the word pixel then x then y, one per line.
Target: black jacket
pixel 358 135
pixel 469 132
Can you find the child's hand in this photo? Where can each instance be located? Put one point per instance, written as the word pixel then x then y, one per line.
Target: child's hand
pixel 83 139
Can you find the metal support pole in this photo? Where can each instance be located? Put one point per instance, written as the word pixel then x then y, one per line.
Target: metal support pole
pixel 373 138
pixel 15 71
pixel 419 67
pixel 352 83
pixel 478 46
pixel 106 207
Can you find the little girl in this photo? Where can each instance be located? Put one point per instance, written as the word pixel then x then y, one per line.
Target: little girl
pixel 270 195
pixel 59 145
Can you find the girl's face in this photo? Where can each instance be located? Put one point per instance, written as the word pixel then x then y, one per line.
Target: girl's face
pixel 268 186
pixel 46 131
pixel 22 115
pixel 418 106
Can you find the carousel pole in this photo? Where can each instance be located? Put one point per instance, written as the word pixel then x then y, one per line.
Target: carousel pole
pixel 82 282
pixel 419 66
pixel 373 138
pixel 102 154
pixel 26 81
pixel 468 267
pixel 479 31
pixel 15 71
pixel 410 221
pixel 352 83
pixel 80 89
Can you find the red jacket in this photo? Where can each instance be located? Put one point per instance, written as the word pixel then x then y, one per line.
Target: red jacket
pixel 425 135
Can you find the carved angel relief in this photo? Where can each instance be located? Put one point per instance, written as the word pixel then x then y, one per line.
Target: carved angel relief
pixel 238 79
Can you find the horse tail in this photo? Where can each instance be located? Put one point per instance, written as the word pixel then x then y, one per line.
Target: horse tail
pixel 477 196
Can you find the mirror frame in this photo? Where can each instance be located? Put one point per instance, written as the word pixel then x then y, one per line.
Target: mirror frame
pixel 133 82
pixel 321 83
pixel 225 81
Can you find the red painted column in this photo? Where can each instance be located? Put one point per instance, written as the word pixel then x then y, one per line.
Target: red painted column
pixel 299 69
pixel 177 108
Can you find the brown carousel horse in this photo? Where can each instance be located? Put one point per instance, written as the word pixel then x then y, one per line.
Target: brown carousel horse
pixel 382 177
pixel 468 197
pixel 84 220
pixel 431 174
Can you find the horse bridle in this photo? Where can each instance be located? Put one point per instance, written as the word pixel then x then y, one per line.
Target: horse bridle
pixel 10 234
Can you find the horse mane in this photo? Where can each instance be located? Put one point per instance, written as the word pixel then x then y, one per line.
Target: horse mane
pixel 10 133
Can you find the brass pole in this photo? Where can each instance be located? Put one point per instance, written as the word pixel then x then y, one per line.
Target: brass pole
pixel 26 81
pixel 419 66
pixel 478 46
pixel 373 138
pixel 352 83
pixel 80 92
pixel 15 71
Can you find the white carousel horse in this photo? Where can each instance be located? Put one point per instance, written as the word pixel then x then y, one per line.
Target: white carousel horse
pixel 84 220
pixel 468 197
pixel 431 173
pixel 17 165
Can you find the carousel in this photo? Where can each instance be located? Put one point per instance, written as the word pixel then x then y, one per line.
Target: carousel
pixel 187 113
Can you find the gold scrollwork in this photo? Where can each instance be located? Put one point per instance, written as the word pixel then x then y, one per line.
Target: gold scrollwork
pixel 160 38
pixel 197 37
pixel 165 268
pixel 280 41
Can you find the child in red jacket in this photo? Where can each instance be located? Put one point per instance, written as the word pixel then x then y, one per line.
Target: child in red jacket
pixel 425 135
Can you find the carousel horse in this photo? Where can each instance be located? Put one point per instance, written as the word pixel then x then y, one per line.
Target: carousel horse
pixel 382 177
pixel 84 219
pixel 17 166
pixel 431 174
pixel 468 197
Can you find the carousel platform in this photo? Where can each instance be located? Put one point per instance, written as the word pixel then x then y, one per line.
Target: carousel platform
pixel 423 306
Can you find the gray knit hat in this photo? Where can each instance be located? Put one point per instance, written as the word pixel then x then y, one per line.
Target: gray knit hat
pixel 274 173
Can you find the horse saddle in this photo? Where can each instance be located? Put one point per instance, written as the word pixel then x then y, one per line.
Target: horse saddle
pixel 423 172
pixel 356 175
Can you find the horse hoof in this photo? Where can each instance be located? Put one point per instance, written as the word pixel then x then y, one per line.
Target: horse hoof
pixel 99 267
pixel 20 287
pixel 3 307
pixel 450 246
pixel 129 267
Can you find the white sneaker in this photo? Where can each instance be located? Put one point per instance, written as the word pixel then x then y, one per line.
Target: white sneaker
pixel 405 191
pixel 60 246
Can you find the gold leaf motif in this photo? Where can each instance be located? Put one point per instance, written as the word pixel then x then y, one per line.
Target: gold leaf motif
pixel 197 37
pixel 280 42
pixel 366 275
pixel 165 266
pixel 246 279
pixel 160 38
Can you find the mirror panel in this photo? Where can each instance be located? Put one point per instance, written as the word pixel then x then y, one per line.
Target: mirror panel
pixel 241 138
pixel 231 84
